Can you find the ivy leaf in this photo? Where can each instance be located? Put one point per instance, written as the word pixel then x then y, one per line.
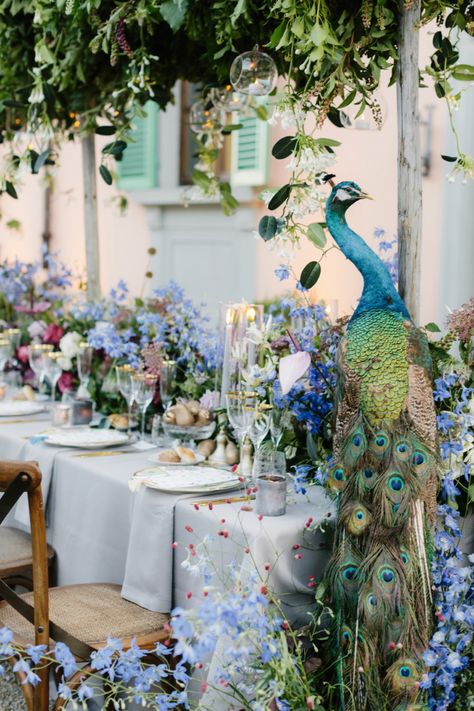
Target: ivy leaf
pixel 262 112
pixel 433 327
pixel 439 90
pixel 316 234
pixel 267 227
pixel 105 130
pixel 10 188
pixel 310 274
pixel 450 159
pixel 106 175
pixel 280 197
pixel 284 147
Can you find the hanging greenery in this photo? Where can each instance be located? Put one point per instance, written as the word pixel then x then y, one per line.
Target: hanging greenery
pixel 80 66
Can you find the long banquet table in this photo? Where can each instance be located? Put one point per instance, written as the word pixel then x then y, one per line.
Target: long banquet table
pixel 103 532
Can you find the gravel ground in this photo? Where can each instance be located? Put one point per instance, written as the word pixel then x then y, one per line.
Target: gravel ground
pixel 11 697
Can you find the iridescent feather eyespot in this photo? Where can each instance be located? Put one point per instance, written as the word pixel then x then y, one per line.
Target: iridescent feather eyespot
pixel 418 458
pixel 396 483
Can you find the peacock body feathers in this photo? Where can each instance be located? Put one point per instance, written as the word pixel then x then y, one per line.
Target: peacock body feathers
pixel 385 479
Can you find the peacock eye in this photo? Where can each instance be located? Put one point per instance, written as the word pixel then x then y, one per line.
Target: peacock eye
pixel 372 600
pixel 380 441
pixel 368 473
pixel 402 447
pixel 396 483
pixel 405 557
pixel 350 572
pixel 339 475
pixel 418 458
pixel 405 671
pixel 357 440
pixel 387 575
pixel 360 515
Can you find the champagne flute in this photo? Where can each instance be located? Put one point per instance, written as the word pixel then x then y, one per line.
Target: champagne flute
pixel 36 353
pixel 143 390
pixel 259 427
pixel 84 368
pixel 52 370
pixel 167 382
pixel 124 380
pixel 241 412
pixel 5 352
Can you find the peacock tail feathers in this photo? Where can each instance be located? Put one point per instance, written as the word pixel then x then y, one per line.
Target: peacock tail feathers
pixel 385 478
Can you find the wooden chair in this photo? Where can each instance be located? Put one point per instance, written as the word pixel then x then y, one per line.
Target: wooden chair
pixel 16 561
pixel 82 616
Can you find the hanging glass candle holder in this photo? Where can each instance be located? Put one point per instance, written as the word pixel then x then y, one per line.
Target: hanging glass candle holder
pixel 253 73
pixel 204 117
pixel 370 117
pixel 226 99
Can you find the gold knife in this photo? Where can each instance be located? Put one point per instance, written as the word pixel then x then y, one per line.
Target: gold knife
pixel 17 422
pixel 229 500
pixel 105 453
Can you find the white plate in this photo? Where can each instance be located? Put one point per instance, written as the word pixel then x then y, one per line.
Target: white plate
pixel 12 408
pixel 192 480
pixel 155 458
pixel 86 438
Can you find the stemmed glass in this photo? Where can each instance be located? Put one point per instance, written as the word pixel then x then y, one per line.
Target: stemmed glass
pixel 143 391
pixel 14 336
pixel 36 354
pixel 52 370
pixel 241 413
pixel 278 422
pixel 259 427
pixel 84 368
pixel 5 352
pixel 167 382
pixel 124 380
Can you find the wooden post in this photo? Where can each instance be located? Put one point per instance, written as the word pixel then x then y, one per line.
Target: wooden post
pixel 91 223
pixel 409 162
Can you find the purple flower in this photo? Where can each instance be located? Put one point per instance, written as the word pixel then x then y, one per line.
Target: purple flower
pixel 282 272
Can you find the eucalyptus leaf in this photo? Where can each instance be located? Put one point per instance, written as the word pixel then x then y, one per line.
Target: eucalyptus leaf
pixel 10 188
pixel 310 275
pixel 41 160
pixel 267 227
pixel 284 147
pixel 433 327
pixel 106 175
pixel 280 197
pixel 327 142
pixel 173 12
pixel 449 159
pixel 105 130
pixel 316 234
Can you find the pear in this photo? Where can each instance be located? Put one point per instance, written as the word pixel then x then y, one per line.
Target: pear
pixel 231 454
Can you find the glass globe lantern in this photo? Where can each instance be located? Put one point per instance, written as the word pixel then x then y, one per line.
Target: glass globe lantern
pixel 226 99
pixel 371 118
pixel 253 73
pixel 205 118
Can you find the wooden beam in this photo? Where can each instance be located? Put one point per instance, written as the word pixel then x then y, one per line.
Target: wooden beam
pixel 409 161
pixel 91 222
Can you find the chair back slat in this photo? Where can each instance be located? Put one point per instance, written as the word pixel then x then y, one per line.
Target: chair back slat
pixel 10 469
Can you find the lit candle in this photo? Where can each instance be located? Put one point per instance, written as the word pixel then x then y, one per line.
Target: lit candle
pixel 229 327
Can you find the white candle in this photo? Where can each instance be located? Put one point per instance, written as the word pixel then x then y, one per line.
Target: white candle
pixel 229 318
pixel 251 316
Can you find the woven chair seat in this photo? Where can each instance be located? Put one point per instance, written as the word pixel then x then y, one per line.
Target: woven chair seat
pixel 15 550
pixel 91 613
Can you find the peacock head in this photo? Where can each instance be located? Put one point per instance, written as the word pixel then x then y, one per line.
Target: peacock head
pixel 344 195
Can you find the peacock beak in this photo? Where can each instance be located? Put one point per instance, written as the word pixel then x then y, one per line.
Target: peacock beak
pixel 365 195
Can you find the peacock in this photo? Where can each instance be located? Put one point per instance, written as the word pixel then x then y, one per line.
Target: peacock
pixel 385 477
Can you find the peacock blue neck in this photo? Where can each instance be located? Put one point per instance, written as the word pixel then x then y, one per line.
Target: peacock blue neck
pixel 379 291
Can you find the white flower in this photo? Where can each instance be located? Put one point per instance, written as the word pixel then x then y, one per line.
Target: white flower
pixel 37 94
pixel 65 363
pixel 70 344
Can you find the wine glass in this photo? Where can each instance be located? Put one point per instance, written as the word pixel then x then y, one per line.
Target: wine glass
pixel 259 427
pixel 84 368
pixel 167 382
pixel 14 336
pixel 36 353
pixel 241 412
pixel 143 391
pixel 124 380
pixel 52 370
pixel 278 423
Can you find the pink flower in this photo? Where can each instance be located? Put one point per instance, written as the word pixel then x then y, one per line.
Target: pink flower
pixel 22 354
pixel 53 334
pixel 65 382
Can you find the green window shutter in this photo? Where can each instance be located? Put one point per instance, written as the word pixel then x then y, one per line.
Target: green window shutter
pixel 139 168
pixel 249 153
